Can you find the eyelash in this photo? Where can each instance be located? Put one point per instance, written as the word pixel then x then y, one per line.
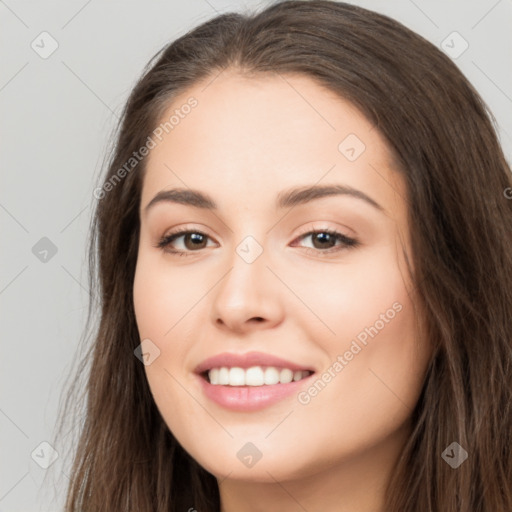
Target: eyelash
pixel 347 242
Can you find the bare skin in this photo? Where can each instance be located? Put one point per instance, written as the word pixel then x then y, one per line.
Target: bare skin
pixel 246 141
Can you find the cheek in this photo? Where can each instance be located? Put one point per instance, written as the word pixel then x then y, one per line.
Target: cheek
pixel 347 298
pixel 375 361
pixel 161 302
pixel 163 295
pixel 376 358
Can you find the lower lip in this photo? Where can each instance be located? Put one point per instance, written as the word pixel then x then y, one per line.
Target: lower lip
pixel 250 398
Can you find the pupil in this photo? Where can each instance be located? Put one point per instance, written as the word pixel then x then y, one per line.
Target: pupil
pixel 324 238
pixel 196 237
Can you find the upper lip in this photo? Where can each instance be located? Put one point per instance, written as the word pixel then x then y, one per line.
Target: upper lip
pixel 247 360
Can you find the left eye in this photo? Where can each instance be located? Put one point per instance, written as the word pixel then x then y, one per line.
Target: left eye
pixel 327 238
pixel 324 241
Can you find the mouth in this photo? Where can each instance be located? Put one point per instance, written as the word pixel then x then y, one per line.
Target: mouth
pixel 251 381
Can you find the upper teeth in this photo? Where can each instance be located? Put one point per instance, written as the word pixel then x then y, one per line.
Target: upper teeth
pixel 254 376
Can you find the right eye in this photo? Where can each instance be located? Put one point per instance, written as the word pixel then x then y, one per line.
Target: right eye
pixel 192 238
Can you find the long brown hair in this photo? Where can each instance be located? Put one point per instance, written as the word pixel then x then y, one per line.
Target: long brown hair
pixel 445 146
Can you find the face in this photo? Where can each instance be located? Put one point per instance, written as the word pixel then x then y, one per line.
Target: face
pixel 276 284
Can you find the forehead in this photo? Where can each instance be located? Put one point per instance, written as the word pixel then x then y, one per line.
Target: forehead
pixel 260 134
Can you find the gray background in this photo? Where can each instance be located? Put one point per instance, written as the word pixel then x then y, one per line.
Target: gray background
pixel 57 117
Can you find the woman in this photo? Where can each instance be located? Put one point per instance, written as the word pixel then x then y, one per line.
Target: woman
pixel 304 241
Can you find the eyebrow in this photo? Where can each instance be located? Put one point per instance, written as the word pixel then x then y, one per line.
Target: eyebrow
pixel 285 199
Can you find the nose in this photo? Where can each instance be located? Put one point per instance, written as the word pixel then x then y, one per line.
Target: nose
pixel 248 297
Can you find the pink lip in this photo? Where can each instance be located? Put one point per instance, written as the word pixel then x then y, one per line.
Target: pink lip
pixel 246 361
pixel 249 398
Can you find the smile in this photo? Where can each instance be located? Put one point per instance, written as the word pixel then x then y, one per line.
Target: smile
pixel 250 381
pixel 254 376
